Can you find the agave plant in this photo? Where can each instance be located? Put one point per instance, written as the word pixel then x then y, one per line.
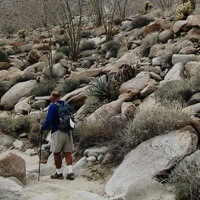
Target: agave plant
pixel 103 88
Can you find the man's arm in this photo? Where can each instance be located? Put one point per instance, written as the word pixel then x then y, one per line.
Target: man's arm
pixel 52 111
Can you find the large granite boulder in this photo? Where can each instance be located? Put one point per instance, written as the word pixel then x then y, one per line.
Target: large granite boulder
pixel 151 158
pixel 12 165
pixel 148 189
pixel 10 190
pixel 12 96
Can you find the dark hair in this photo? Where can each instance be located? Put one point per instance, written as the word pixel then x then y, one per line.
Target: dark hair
pixel 55 94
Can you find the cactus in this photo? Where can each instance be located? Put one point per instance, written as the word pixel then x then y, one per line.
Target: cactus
pixel 182 11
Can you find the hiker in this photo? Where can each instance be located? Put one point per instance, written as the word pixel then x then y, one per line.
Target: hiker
pixel 62 142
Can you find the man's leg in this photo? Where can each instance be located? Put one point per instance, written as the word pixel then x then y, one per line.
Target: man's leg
pixel 68 159
pixel 58 164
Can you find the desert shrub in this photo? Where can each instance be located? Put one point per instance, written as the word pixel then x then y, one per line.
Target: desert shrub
pixel 93 103
pixel 86 34
pixel 139 21
pixel 147 43
pixel 148 123
pixel 103 88
pixel 64 50
pixel 91 134
pixel 45 87
pixel 3 57
pixel 182 11
pixel 14 126
pixel 70 84
pixel 179 90
pixel 57 57
pixel 112 46
pixel 186 179
pixel 88 45
pixel 152 121
pixel 3 88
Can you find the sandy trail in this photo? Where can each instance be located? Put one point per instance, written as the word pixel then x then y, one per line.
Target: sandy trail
pixel 63 189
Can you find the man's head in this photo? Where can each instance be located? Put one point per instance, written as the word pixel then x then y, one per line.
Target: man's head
pixel 55 96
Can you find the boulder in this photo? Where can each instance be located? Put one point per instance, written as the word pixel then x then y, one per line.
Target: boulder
pixel 33 71
pixel 10 190
pixel 193 21
pixel 128 109
pixel 192 110
pixel 148 90
pixel 152 27
pixel 178 26
pixel 106 111
pixel 194 34
pixel 18 144
pixel 18 63
pixel 151 158
pixel 22 107
pixel 5 75
pixel 46 196
pixel 182 44
pixel 164 36
pixel 13 95
pixel 13 165
pixel 157 61
pixel 194 99
pixel 155 49
pixel 175 73
pixel 5 65
pixel 79 166
pixel 139 83
pixel 59 71
pixel 192 68
pixel 96 151
pixel 14 73
pixel 188 50
pixel 39 104
pixel 128 58
pixel 84 195
pixel 34 56
pixel 41 46
pixel 7 140
pixel 184 59
pixel 148 189
pixel 127 26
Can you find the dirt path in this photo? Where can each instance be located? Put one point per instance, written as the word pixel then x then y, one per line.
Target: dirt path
pixel 62 189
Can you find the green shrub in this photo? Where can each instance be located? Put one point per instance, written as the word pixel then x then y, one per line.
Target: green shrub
pixel 88 45
pixel 45 87
pixel 3 88
pixel 64 50
pixel 186 178
pixel 3 57
pixel 70 84
pixel 103 88
pixel 57 57
pixel 112 46
pixel 182 11
pixel 179 90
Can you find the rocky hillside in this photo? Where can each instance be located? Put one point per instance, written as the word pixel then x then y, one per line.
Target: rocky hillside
pixel 136 100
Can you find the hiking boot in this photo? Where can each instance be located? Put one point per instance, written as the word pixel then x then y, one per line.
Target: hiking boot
pixel 70 176
pixel 57 176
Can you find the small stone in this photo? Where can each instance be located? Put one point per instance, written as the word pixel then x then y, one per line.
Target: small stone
pixel 91 159
pixel 23 135
pixel 18 144
pixel 30 152
pixel 100 158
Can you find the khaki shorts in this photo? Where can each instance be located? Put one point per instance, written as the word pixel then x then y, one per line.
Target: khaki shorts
pixel 61 142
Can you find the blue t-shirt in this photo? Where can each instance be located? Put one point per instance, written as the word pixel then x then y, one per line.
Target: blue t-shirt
pixel 52 119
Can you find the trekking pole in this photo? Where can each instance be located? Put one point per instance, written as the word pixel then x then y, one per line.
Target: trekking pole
pixel 40 152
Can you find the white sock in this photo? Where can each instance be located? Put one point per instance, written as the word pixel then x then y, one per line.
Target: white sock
pixel 69 169
pixel 59 171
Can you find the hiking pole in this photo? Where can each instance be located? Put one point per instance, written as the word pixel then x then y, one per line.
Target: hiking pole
pixel 40 152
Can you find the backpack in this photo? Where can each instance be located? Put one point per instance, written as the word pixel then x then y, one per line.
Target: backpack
pixel 65 115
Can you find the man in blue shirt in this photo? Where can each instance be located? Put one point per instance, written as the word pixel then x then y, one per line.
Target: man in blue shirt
pixel 61 142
